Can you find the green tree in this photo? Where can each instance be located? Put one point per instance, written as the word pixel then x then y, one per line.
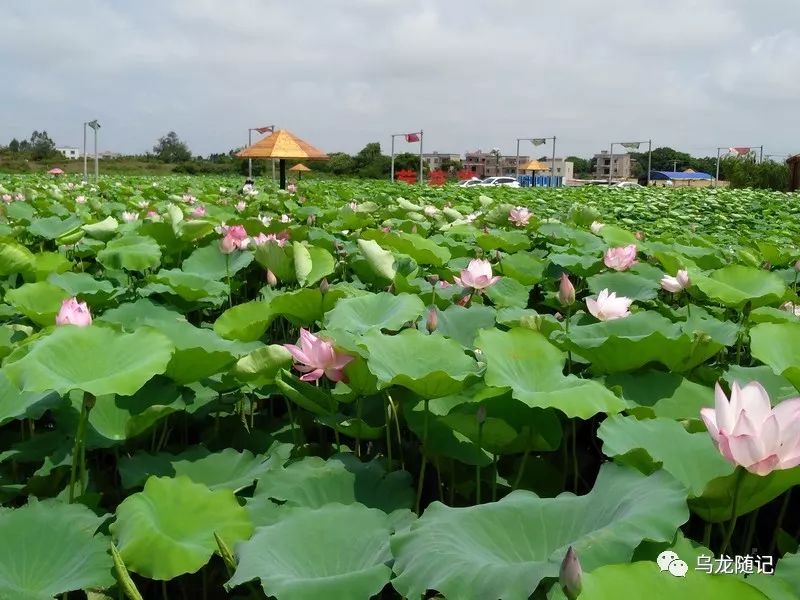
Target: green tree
pixel 581 166
pixel 406 160
pixel 171 149
pixel 451 166
pixel 371 163
pixel 41 146
pixel 13 146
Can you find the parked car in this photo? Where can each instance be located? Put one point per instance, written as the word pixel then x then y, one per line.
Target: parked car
pixel 626 185
pixel 495 181
pixel 469 182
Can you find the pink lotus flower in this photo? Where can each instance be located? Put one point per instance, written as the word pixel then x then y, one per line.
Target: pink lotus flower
pixel 234 238
pixel 477 275
pixel 316 357
pixel 199 211
pixel 80 200
pixel 519 216
pixel 607 306
pixel 142 204
pixel 19 197
pixel 620 259
pixel 285 218
pixel 73 312
pixel 272 280
pixel 676 284
pixel 291 188
pixel 750 433
pixel 151 214
pixel 791 307
pixel 353 205
pixel 596 226
pixel 7 198
pixel 240 205
pixel 566 291
pixel 189 199
pixel 129 216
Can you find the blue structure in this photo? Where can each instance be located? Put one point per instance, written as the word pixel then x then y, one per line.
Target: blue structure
pixel 679 176
pixel 538 181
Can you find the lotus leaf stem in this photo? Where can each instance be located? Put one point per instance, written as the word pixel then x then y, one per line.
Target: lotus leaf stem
pixel 734 506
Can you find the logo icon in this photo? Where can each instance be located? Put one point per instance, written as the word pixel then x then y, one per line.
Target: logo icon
pixel 669 561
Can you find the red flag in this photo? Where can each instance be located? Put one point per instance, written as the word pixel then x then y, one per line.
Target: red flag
pixel 739 151
pixel 412 137
pixel 271 129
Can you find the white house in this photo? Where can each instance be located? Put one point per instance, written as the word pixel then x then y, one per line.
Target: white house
pixel 69 152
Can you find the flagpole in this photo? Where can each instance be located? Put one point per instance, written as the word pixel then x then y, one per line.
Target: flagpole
pixel 610 161
pixel 421 181
pixel 761 155
pixel 649 159
pixel 392 172
pixel 716 179
pixel 85 163
pixel 517 171
pixel 553 165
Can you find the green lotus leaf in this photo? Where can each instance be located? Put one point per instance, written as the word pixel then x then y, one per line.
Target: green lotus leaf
pixel 691 458
pixel 132 253
pixel 114 419
pixel 39 301
pixel 736 285
pixel 625 284
pixel 305 306
pixel 55 550
pixel 47 263
pixel 658 394
pixel 423 250
pixel 498 239
pixel 262 365
pixel 778 347
pixel 14 257
pixel 278 259
pixel 90 359
pixel 374 311
pixel 245 322
pixel 508 293
pixel 611 582
pixel 315 400
pixel 349 561
pixel 525 267
pixel 429 365
pixel 768 314
pixel 168 529
pixel 85 286
pixel 343 478
pixel 463 324
pixel 582 265
pixel 210 263
pixel 779 388
pixel 380 261
pixel 504 549
pixel 190 286
pixel 321 261
pixel 526 362
pixel 50 228
pixel 227 469
pixel 788 569
pixel 102 230
pixel 642 338
pixel 15 404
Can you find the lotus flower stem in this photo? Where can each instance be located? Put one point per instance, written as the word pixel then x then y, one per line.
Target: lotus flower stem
pixel 524 460
pixel 751 529
pixel 574 457
pixel 397 428
pixel 494 479
pixel 779 523
pixel 707 534
pixel 424 456
pixel 742 333
pixel 291 420
pixel 228 277
pixel 478 467
pixel 736 489
pixel 78 456
pixel 388 416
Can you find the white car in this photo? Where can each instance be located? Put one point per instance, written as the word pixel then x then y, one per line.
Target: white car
pixel 469 182
pixel 626 185
pixel 495 181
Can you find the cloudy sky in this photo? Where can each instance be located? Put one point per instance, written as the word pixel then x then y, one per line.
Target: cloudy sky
pixel 691 74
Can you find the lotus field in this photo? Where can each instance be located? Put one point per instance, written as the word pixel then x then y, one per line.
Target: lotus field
pixel 351 390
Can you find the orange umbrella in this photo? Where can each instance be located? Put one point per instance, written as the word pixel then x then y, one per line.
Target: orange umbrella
pixel 282 144
pixel 55 171
pixel 300 168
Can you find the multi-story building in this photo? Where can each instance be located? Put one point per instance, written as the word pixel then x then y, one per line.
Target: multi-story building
pixel 620 165
pixel 69 152
pixel 564 168
pixel 485 164
pixel 435 160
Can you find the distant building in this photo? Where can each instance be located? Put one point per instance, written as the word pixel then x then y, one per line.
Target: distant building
pixel 435 160
pixel 108 155
pixel 794 173
pixel 485 164
pixel 621 165
pixel 687 178
pixel 564 168
pixel 69 152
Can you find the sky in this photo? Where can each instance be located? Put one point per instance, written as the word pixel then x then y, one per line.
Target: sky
pixel 690 74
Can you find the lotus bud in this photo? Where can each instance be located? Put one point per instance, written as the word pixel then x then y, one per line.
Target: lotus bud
pixel 480 416
pixel 324 286
pixel 432 321
pixel 639 235
pixel 433 279
pixel 566 291
pixel 570 575
pixel 414 229
pixel 271 279
pixel 559 316
pixel 797 266
pixel 310 220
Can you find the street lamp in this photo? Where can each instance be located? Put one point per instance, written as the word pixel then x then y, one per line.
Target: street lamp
pixel 94 125
pixel 539 142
